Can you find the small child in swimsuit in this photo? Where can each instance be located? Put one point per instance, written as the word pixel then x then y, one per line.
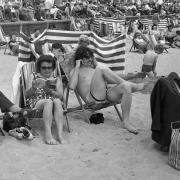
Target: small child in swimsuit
pixel 150 59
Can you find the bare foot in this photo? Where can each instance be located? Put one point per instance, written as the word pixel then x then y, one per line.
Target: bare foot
pixel 62 140
pixel 51 142
pixel 130 128
pixel 138 87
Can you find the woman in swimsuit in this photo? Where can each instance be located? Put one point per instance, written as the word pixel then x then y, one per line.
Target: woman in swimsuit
pixel 45 93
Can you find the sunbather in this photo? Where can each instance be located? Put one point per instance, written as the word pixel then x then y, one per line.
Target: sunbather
pixel 150 59
pixel 92 80
pixel 44 91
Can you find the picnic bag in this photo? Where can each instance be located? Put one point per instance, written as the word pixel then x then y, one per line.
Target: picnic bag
pixel 174 149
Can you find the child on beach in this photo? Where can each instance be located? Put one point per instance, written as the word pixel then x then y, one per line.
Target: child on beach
pixel 150 59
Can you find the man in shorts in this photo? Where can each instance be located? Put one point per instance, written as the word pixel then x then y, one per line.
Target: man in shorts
pixel 150 59
pixel 97 83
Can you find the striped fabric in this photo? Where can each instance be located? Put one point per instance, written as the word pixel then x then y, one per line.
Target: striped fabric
pixel 174 149
pixel 114 25
pixel 24 50
pixel 111 53
pixel 97 25
pixel 162 24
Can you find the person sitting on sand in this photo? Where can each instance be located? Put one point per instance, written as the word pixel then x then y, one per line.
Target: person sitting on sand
pixel 92 80
pixel 150 59
pixel 44 91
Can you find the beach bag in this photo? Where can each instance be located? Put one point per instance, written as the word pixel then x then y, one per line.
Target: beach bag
pixel 96 118
pixel 174 149
pixel 11 121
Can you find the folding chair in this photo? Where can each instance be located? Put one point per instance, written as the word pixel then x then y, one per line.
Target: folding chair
pixel 91 106
pixel 26 71
pixel 84 106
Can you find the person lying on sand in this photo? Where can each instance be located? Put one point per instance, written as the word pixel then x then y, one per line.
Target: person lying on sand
pixel 150 59
pixel 97 83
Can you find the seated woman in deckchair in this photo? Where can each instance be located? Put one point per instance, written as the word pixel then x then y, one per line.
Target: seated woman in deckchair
pixel 44 91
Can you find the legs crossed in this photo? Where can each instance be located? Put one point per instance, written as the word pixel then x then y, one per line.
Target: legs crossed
pixel 121 92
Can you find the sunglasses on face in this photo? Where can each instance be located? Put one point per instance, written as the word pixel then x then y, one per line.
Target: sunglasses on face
pixel 46 67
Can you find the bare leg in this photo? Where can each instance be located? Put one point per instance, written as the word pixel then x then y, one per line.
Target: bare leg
pixel 47 106
pixel 122 93
pixel 103 75
pixel 58 116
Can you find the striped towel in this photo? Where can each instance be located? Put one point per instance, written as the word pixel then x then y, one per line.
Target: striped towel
pixel 111 53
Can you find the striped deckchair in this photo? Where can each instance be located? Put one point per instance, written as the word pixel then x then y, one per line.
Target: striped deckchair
pixel 96 26
pixel 24 50
pixel 111 53
pixel 114 25
pixel 162 24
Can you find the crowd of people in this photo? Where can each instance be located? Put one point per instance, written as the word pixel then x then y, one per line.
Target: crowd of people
pixel 40 10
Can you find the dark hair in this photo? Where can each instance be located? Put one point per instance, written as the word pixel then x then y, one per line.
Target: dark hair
pixel 154 25
pixel 159 48
pixel 45 58
pixel 83 52
pixel 169 26
pixel 178 32
pixel 58 46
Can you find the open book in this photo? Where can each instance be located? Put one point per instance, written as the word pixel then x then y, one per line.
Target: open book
pixel 48 82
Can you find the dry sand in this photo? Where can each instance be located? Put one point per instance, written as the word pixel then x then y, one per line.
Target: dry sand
pixel 93 152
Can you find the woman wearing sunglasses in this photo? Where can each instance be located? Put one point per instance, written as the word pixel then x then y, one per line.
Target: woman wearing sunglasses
pixel 45 92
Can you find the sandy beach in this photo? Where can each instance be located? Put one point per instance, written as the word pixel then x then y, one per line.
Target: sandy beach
pixel 94 152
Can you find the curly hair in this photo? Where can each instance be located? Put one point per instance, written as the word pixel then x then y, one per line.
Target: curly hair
pixel 45 58
pixel 58 46
pixel 83 52
pixel 159 48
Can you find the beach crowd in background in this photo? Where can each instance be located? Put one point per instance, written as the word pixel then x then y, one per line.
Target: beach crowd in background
pixel 40 10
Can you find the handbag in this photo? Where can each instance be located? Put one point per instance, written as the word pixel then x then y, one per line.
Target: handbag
pixel 174 149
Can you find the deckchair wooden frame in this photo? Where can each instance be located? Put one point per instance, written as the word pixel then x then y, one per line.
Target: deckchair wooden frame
pixel 38 114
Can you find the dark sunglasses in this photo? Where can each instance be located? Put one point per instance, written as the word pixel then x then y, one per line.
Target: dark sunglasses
pixel 46 67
